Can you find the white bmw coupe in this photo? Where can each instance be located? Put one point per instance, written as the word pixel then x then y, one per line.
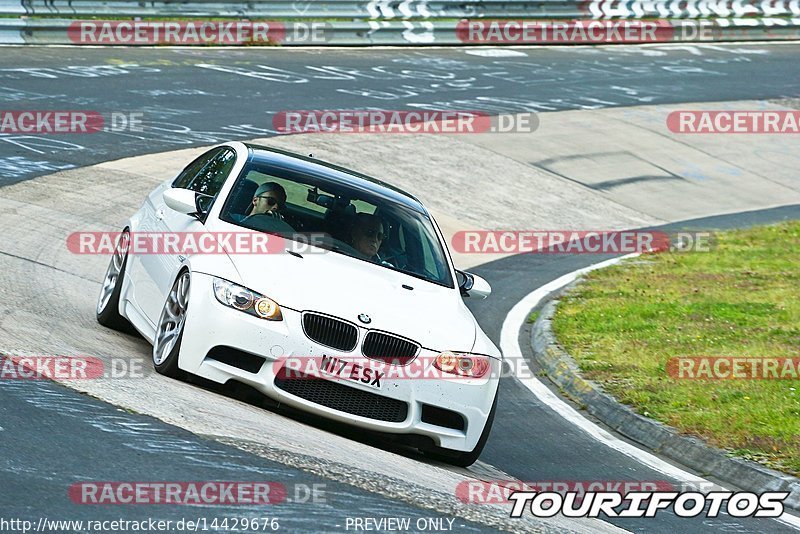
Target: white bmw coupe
pixel 353 311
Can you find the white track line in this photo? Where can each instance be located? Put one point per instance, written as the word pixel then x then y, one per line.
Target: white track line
pixel 509 345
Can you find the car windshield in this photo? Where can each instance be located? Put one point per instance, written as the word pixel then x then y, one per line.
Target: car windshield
pixel 343 219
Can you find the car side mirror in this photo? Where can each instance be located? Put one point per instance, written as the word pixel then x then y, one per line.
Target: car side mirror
pixel 181 200
pixel 472 285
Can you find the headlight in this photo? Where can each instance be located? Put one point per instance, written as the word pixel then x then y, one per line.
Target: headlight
pixel 462 364
pixel 245 300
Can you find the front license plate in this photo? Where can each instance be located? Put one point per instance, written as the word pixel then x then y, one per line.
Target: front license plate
pixel 350 371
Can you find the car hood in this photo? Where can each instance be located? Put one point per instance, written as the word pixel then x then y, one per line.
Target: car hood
pixel 434 316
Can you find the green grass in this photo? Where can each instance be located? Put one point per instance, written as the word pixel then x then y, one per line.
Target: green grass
pixel 623 324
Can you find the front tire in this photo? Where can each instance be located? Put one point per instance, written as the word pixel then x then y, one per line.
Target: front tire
pixel 466 458
pixel 107 310
pixel 167 343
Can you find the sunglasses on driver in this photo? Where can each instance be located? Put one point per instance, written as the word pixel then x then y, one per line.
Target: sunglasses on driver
pixel 271 201
pixel 370 233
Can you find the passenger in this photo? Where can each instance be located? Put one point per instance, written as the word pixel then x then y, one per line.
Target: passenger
pixel 367 235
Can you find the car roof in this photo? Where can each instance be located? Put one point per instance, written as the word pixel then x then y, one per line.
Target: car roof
pixel 334 173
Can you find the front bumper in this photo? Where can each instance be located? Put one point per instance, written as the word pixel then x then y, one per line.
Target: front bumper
pixel 210 324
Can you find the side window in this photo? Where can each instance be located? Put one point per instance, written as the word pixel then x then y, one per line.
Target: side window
pixel 211 178
pixel 209 175
pixel 187 175
pixel 422 256
pixel 429 258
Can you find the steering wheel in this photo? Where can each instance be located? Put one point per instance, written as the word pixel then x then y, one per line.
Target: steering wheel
pixel 396 257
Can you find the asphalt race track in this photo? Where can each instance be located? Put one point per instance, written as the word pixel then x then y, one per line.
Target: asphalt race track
pixel 53 436
pixel 200 97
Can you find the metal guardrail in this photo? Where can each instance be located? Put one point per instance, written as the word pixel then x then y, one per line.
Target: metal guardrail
pixel 406 33
pixel 390 10
pixel 331 9
pixel 404 22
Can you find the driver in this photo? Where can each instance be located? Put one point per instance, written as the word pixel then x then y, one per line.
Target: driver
pixel 367 235
pixel 269 199
pixel 265 215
